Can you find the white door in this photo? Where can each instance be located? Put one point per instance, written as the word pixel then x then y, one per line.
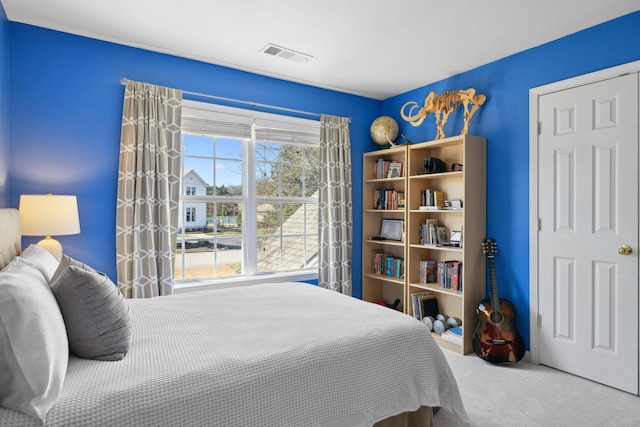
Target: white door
pixel 588 210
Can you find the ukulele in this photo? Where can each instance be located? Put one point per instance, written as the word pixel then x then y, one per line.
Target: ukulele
pixel 496 339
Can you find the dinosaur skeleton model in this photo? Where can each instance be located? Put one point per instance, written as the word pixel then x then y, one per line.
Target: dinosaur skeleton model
pixel 443 105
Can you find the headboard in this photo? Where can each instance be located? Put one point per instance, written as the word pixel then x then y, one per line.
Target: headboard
pixel 10 235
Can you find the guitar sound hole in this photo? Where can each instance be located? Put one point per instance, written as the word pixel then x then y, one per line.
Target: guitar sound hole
pixel 496 317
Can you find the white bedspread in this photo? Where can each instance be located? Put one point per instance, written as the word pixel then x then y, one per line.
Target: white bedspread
pixel 285 354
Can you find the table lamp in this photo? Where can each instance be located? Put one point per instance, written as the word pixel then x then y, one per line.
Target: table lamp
pixel 47 215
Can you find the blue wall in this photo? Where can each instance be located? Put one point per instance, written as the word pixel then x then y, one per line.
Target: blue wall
pixel 66 110
pixel 4 109
pixel 66 104
pixel 504 121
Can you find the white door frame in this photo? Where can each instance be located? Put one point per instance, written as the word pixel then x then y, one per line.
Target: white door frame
pixel 534 96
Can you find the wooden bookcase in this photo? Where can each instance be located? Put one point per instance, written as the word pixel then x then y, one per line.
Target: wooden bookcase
pixel 376 286
pixel 468 186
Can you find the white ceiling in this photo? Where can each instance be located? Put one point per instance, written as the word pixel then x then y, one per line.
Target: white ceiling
pixel 374 48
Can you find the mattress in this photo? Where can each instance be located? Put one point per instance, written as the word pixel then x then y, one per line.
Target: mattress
pixel 287 354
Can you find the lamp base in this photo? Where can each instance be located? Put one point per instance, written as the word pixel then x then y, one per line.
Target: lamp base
pixel 53 246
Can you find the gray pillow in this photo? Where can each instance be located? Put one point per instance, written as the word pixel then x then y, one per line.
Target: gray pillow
pixel 95 313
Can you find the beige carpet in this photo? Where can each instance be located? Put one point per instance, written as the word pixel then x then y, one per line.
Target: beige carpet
pixel 534 395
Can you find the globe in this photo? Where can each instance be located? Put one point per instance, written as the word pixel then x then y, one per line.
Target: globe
pixel 384 129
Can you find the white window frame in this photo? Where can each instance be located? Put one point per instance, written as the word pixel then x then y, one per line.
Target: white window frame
pixel 190 215
pixel 249 228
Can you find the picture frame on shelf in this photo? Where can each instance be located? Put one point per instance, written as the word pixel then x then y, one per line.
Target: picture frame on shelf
pixel 395 170
pixel 391 229
pixel 441 236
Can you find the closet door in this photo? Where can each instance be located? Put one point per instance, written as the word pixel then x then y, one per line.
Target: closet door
pixel 588 236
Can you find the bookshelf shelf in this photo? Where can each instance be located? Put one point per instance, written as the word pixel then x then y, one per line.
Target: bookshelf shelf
pixel 436 248
pixel 433 176
pixel 385 242
pixel 469 186
pixel 385 180
pixel 435 288
pixel 385 278
pixel 446 344
pixel 437 211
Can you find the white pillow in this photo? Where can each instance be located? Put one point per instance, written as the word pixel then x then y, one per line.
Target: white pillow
pixel 34 350
pixel 40 258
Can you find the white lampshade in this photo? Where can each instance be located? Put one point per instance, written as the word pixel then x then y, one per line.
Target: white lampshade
pixel 49 215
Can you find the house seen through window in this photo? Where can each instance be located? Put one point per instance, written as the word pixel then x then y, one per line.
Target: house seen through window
pixel 249 194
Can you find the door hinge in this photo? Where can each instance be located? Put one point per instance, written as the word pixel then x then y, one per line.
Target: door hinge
pixel 539 321
pixel 539 224
pixel 539 128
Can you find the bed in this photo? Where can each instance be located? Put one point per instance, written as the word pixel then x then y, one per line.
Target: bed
pixel 287 354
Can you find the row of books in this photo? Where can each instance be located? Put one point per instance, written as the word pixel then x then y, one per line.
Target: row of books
pixel 431 199
pixel 388 265
pixel 433 234
pixel 424 304
pixel 385 199
pixel 450 275
pixel 389 169
pixel 447 274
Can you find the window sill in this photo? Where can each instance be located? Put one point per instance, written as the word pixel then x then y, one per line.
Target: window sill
pixel 213 284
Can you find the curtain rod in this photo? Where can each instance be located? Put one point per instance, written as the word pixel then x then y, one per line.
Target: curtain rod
pixel 124 80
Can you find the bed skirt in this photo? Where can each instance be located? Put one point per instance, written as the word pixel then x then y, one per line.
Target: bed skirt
pixel 423 417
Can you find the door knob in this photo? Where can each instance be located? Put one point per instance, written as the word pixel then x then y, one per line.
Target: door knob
pixel 624 250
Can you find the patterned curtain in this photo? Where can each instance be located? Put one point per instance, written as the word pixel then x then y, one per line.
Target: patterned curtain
pixel 335 222
pixel 148 190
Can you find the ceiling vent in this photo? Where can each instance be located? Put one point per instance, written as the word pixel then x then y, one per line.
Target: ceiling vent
pixel 283 52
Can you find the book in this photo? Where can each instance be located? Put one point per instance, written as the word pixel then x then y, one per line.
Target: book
pixel 432 199
pixel 395 170
pixel 427 231
pixel 428 271
pixel 438 199
pixel 428 306
pixel 457 331
pixel 453 335
pixel 426 197
pixel 415 302
pixel 450 275
pixel 380 262
pixel 455 275
pixel 390 266
pixel 441 235
pixel 382 168
pixel 432 271
pixel 387 199
pixel 447 271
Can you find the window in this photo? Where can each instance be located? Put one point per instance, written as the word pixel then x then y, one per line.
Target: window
pixel 255 211
pixel 191 214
